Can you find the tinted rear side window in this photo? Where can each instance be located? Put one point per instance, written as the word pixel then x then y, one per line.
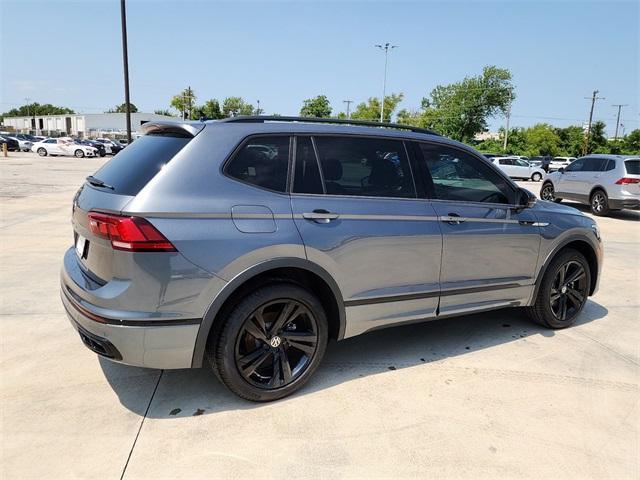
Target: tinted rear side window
pixel 263 162
pixel 632 166
pixel 371 167
pixel 131 169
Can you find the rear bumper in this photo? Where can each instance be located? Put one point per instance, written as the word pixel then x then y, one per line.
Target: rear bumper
pixel 631 203
pixel 166 345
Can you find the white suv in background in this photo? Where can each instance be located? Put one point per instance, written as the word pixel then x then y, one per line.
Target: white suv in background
pixel 560 162
pixel 605 182
pixel 518 168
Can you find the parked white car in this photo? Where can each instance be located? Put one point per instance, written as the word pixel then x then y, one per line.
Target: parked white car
pixel 604 182
pixel 63 146
pixel 560 162
pixel 518 168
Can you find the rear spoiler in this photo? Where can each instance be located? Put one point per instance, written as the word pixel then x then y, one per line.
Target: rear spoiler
pixel 189 129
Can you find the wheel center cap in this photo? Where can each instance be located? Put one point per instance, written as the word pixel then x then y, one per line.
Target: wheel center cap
pixel 563 289
pixel 275 341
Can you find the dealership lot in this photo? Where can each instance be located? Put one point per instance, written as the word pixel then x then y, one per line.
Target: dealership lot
pixel 473 397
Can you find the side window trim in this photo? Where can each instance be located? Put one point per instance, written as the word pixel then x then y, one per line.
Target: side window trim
pixel 315 152
pixel 488 163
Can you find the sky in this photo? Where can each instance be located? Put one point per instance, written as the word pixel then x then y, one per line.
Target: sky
pixel 70 53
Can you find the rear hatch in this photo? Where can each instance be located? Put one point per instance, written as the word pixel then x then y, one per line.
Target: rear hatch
pixel 631 180
pixel 111 188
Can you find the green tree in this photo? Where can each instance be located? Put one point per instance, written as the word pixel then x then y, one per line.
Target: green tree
pixel 316 107
pixel 234 106
pixel 37 109
pixel 571 140
pixel 123 108
pixel 631 143
pixel 460 110
pixel 370 110
pixel 541 139
pixel 184 102
pixel 163 112
pixel 598 142
pixel 210 110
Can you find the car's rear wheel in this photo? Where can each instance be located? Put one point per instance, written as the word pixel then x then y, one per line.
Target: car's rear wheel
pixel 79 153
pixel 548 193
pixel 563 291
pixel 42 152
pixel 599 203
pixel 271 342
pixel 536 177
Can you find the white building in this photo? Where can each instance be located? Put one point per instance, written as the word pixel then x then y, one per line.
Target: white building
pixel 80 124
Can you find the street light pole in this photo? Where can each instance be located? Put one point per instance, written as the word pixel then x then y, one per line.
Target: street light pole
pixel 125 61
pixel 385 48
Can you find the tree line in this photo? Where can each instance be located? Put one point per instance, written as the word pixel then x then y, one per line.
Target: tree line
pixel 459 110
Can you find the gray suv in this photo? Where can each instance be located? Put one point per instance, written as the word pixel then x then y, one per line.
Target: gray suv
pixel 246 244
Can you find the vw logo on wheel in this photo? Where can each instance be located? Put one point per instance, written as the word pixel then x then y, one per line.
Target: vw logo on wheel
pixel 275 342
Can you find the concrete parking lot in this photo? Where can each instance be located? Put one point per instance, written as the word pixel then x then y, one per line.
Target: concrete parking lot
pixel 482 396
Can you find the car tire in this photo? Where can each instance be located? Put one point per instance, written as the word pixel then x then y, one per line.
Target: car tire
pixel 259 363
pixel 599 203
pixel 536 177
pixel 78 153
pixel 42 152
pixel 560 299
pixel 547 192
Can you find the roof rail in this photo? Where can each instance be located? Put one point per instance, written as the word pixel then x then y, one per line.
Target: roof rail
pixel 339 121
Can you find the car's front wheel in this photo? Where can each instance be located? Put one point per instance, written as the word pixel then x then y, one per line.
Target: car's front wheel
pixel 270 343
pixel 563 290
pixel 548 193
pixel 599 203
pixel 42 152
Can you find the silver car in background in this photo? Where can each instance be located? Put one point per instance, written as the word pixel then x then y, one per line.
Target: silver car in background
pixel 519 168
pixel 604 182
pixel 246 244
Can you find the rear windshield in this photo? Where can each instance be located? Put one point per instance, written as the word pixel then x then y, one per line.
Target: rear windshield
pixel 632 166
pixel 132 168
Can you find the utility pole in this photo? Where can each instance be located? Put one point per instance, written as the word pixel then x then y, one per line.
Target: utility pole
pixel 587 139
pixel 27 100
pixel 385 48
pixel 506 130
pixel 258 108
pixel 187 97
pixel 615 138
pixel 125 61
pixel 348 102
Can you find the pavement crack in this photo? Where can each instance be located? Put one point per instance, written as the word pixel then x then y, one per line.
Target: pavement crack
pixel 135 440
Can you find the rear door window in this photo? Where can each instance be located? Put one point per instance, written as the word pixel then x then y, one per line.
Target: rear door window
pixel 368 167
pixel 130 170
pixel 262 161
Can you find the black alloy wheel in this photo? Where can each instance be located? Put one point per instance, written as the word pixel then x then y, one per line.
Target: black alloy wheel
pixel 569 291
pixel 276 343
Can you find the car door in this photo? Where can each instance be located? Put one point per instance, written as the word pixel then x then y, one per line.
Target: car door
pixel 354 202
pixel 569 179
pixel 490 245
pixel 523 168
pixel 589 175
pixel 52 147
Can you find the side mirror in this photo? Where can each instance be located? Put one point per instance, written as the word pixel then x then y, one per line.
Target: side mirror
pixel 561 169
pixel 526 199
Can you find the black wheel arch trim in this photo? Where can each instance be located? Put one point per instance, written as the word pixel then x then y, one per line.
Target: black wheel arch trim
pixel 554 253
pixel 593 190
pixel 293 262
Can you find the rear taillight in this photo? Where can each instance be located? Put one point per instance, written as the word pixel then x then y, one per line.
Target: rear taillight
pixel 627 181
pixel 131 234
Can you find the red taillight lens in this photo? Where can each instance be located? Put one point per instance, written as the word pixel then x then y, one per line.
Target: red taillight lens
pixel 132 234
pixel 627 181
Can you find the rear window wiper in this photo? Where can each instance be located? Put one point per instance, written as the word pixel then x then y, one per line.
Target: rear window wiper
pixel 96 182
